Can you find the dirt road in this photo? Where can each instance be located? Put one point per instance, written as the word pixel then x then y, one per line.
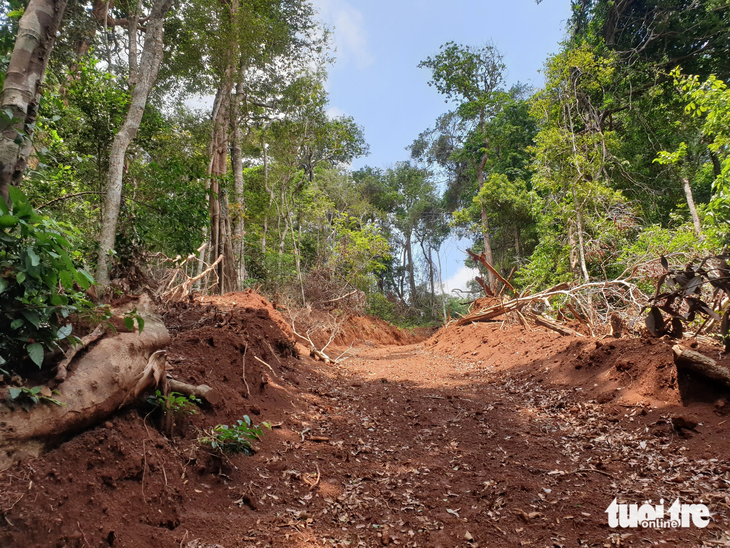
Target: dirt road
pixel 399 445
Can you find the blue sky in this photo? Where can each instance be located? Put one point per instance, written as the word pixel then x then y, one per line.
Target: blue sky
pixel 376 78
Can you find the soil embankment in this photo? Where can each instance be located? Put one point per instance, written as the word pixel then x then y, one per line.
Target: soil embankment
pixel 479 436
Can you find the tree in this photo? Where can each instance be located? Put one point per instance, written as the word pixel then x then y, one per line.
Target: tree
pixel 22 86
pixel 474 79
pixel 145 78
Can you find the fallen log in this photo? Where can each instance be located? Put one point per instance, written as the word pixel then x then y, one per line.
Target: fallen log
pixel 699 363
pixel 203 392
pixel 93 390
pixel 544 322
pixel 481 259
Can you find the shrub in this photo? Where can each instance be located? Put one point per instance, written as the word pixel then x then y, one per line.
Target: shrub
pixel 39 284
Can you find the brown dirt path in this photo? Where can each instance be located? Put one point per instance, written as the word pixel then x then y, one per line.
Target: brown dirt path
pixel 484 439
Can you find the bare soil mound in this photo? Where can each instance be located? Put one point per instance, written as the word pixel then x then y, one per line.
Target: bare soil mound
pixel 479 436
pixel 628 371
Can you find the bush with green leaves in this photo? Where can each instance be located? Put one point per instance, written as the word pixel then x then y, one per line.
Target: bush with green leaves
pixel 40 286
pixel 236 438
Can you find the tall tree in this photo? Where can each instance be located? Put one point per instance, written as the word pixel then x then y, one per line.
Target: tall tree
pixel 473 78
pixel 21 92
pixel 145 76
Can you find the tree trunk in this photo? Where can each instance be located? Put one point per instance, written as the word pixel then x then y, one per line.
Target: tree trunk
pixel 692 208
pixel 485 228
pixel 149 67
pixel 21 92
pixel 133 26
pixel 220 231
pixel 411 275
pixel 579 229
pixel 237 220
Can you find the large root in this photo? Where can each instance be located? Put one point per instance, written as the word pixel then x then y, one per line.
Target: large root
pixel 100 382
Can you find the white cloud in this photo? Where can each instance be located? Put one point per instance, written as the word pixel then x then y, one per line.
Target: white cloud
pixel 334 112
pixel 460 278
pixel 350 37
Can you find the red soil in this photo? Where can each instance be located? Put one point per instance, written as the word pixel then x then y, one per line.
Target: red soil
pixel 479 436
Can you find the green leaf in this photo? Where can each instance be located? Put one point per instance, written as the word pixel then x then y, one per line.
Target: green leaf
pixel 32 317
pixel 140 323
pixel 59 300
pixel 3 285
pixel 15 324
pixel 14 392
pixel 82 279
pixel 35 260
pixel 16 195
pixel 35 351
pixel 64 332
pixel 67 279
pixel 20 277
pixel 129 322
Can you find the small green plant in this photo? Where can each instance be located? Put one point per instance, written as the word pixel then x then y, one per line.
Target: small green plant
pixel 129 319
pixel 27 397
pixel 175 403
pixel 234 439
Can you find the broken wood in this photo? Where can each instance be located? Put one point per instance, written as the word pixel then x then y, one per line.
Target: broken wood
pixel 203 391
pixel 545 322
pixel 485 286
pixel 150 377
pixel 94 336
pixel 482 260
pixel 266 364
pixel 699 363
pixel 313 349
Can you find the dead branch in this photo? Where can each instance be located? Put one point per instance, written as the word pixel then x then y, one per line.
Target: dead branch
pixel 204 392
pixel 700 364
pixel 545 322
pixel 597 300
pixel 481 259
pixel 173 291
pixel 243 372
pixel 266 364
pixel 350 294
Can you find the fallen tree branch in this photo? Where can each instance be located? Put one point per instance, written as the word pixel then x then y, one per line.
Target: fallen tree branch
pixel 700 364
pixel 351 293
pixel 313 349
pixel 266 364
pixel 203 391
pixel 545 322
pixel 481 259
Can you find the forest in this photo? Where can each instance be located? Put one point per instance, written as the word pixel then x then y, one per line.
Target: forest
pixel 620 157
pixel 215 331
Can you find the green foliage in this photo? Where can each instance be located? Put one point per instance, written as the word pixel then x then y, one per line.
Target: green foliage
pixel 708 101
pixel 39 284
pixel 175 403
pixel 28 397
pixel 236 438
pixel 131 317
